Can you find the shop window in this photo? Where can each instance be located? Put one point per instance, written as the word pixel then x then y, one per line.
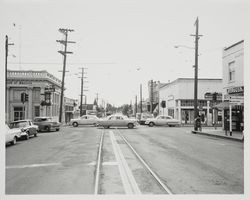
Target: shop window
pixel 19 113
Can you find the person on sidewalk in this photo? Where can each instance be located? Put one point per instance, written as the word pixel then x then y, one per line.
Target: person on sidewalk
pixel 198 122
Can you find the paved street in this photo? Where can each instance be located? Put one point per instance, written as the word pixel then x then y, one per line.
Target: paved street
pixel 65 162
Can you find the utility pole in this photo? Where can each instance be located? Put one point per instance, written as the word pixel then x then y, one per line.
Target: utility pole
pixel 6 69
pixel 141 96
pixel 97 98
pixel 64 53
pixel 151 96
pixel 197 37
pixel 82 82
pixel 135 104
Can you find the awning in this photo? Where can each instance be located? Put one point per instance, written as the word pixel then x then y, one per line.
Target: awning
pixel 225 105
pixel 222 105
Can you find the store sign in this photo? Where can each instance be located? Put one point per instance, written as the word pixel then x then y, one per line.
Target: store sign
pixel 235 90
pixel 236 100
pixel 19 82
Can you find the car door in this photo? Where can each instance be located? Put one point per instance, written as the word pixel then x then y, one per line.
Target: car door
pixel 120 121
pixel 83 120
pixel 112 121
pixel 159 121
pixel 90 120
pixel 31 127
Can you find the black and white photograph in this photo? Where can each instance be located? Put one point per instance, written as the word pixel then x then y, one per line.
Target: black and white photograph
pixel 124 99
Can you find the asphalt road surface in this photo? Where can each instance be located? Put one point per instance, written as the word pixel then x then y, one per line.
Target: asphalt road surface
pixel 66 162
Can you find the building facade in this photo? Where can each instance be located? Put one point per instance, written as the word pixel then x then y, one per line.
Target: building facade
pixel 179 99
pixel 233 85
pixel 43 92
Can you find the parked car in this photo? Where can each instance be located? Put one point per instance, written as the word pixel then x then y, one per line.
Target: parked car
pixel 142 117
pixel 46 124
pixel 85 120
pixel 27 127
pixel 118 121
pixel 11 135
pixel 162 121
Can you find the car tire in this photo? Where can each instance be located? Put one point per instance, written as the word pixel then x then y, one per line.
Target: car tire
pixel 151 124
pixel 130 125
pixel 35 134
pixel 75 124
pixel 14 140
pixel 57 129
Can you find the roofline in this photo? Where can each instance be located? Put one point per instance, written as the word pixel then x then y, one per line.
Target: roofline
pixel 180 79
pixel 226 48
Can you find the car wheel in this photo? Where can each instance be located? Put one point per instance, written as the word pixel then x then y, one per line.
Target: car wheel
pixel 130 125
pixel 14 140
pixel 151 124
pixel 47 128
pixel 57 129
pixel 75 124
pixel 35 134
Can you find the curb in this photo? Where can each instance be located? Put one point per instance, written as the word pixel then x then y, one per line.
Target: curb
pixel 219 136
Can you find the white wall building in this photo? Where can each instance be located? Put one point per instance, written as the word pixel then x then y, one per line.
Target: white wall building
pixel 233 84
pixel 179 97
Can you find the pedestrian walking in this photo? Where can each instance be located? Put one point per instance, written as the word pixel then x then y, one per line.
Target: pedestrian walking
pixel 198 122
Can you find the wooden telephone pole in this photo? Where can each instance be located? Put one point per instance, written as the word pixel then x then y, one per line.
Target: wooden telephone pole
pixel 64 53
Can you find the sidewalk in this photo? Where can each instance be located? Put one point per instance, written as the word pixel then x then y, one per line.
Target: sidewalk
pixel 219 132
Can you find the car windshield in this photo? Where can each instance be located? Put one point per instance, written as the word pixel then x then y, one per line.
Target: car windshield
pixel 19 124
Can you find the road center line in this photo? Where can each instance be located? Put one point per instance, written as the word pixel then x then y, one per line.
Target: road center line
pixel 128 180
pixel 32 165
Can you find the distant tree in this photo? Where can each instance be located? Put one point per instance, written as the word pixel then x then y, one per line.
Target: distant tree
pixel 125 109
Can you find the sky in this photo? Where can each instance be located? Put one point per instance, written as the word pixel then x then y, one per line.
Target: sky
pixel 121 43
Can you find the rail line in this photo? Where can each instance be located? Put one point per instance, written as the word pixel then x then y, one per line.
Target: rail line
pixel 98 164
pixel 165 188
pixel 129 183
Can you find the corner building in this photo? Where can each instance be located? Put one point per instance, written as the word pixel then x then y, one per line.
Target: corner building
pixel 179 98
pixel 32 83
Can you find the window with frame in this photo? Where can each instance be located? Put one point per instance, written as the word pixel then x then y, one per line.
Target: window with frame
pixel 36 94
pixel 37 111
pixel 231 69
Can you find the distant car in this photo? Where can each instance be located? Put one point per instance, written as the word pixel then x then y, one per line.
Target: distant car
pixel 11 135
pixel 142 117
pixel 85 120
pixel 46 124
pixel 117 121
pixel 162 121
pixel 27 127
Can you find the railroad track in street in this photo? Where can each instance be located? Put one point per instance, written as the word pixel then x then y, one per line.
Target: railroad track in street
pixel 134 174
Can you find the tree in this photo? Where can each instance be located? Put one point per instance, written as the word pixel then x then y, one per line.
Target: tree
pixel 125 109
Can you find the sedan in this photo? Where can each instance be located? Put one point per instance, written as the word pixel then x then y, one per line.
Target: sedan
pixel 85 120
pixel 27 127
pixel 117 121
pixel 11 135
pixel 46 124
pixel 162 121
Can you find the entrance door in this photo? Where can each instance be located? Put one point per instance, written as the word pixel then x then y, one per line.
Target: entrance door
pixel 19 113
